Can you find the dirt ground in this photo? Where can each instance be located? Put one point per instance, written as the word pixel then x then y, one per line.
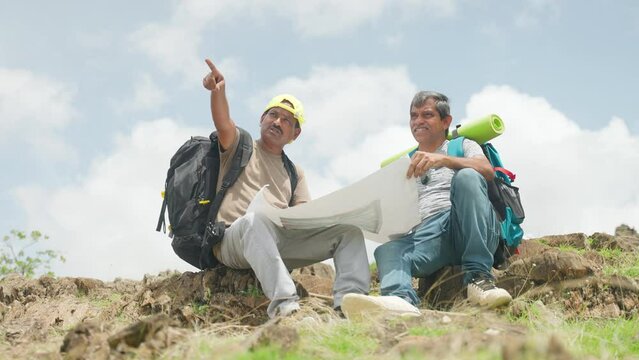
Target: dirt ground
pixel 76 318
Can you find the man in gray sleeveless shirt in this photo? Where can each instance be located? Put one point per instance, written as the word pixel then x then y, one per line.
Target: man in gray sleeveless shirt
pixel 459 226
pixel 252 240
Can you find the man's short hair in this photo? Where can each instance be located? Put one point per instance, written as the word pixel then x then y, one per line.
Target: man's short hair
pixel 441 102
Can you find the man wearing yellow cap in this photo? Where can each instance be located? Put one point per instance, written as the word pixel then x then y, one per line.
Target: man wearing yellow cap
pixel 253 241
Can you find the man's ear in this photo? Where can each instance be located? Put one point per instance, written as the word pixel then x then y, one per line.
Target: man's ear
pixel 298 131
pixel 447 120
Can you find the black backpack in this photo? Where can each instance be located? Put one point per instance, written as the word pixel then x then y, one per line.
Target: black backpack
pixel 191 199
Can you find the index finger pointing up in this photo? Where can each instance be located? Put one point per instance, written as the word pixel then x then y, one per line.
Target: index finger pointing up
pixel 210 64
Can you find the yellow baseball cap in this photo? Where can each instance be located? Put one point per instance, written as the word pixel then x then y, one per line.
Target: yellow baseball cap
pixel 281 100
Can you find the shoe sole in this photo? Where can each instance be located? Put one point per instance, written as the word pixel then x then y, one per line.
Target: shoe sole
pixel 358 307
pixel 498 302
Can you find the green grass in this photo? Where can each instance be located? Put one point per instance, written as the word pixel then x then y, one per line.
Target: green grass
pixel 344 341
pixel 601 338
pixel 199 308
pixel 326 341
pixel 373 267
pixel 618 262
pixel 613 338
pixel 271 353
pixel 570 248
pixel 527 313
pixel 429 331
pixel 252 291
pixel 103 303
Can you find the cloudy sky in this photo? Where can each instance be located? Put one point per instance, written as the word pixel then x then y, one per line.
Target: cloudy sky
pixel 96 97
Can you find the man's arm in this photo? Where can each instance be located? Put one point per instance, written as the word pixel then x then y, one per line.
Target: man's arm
pixel 214 81
pixel 422 161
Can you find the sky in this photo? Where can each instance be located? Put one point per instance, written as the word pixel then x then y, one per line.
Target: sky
pixel 95 97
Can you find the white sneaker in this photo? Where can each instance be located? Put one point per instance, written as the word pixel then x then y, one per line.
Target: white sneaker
pixel 358 306
pixel 483 292
pixel 287 308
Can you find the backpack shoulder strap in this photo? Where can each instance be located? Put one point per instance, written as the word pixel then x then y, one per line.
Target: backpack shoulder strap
pixel 238 162
pixel 455 147
pixel 492 155
pixel 494 158
pixel 292 174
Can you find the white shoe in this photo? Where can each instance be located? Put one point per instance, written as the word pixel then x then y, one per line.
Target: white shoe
pixel 358 306
pixel 483 292
pixel 287 308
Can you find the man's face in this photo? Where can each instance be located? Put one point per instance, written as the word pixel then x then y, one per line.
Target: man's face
pixel 426 124
pixel 278 127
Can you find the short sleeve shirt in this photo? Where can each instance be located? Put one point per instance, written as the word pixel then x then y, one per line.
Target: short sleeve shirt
pixel 263 168
pixel 434 196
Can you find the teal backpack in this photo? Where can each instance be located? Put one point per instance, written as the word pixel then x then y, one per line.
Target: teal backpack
pixel 504 198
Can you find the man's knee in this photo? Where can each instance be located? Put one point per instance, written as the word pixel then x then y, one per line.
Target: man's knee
pixel 347 236
pixel 385 250
pixel 252 227
pixel 468 179
pixel 352 233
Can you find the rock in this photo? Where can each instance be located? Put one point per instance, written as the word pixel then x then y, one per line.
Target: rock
pixel 611 311
pixel 443 288
pixel 84 341
pixel 535 348
pixel 86 285
pixel 529 248
pixel 625 230
pixel 551 265
pixel 315 279
pixel 577 240
pixel 282 336
pixel 141 331
pixel 623 242
pixel 595 257
pixel 309 284
pixel 320 270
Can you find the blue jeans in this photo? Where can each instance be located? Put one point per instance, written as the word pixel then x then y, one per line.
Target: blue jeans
pixel 465 235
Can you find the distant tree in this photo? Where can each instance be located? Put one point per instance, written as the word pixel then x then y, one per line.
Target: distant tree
pixel 15 257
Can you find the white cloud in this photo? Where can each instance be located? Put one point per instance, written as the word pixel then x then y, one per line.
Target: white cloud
pixel 104 225
pixel 173 48
pixel 571 179
pixel 535 12
pixel 343 107
pixel 147 95
pixel 174 45
pixel 33 109
pixel 434 8
pixel 393 41
pixel 320 18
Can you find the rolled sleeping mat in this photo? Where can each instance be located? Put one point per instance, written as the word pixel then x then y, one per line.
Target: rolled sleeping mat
pixel 480 130
pixel 397 156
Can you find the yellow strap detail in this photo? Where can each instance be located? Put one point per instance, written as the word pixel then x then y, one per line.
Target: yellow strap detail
pixel 204 202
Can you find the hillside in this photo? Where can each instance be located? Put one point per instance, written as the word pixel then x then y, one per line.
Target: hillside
pixel 576 296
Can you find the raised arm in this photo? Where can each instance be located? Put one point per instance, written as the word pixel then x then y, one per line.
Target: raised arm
pixel 214 81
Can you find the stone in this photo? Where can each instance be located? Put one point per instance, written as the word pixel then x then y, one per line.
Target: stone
pixel 551 265
pixel 577 240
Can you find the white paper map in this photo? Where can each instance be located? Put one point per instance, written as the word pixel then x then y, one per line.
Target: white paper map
pixel 383 205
